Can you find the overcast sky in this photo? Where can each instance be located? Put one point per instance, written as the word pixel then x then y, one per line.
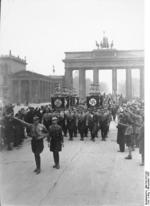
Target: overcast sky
pixel 42 30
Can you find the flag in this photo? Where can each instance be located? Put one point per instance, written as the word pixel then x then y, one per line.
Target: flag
pixel 93 101
pixel 74 101
pixel 66 102
pixel 57 102
pixel 101 100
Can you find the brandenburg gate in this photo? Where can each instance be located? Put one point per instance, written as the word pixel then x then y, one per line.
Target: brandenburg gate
pixel 103 58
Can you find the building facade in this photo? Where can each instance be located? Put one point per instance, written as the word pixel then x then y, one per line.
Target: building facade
pixel 17 85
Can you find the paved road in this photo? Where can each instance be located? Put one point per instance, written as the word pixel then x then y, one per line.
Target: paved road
pixel 91 174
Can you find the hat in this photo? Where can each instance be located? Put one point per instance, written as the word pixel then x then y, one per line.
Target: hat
pixel 54 118
pixel 35 118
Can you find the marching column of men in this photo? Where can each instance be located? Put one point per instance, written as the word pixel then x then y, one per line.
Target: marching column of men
pixel 72 122
pixel 87 122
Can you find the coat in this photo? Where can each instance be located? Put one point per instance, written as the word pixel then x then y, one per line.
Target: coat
pixel 9 129
pixel 55 138
pixel 81 124
pixel 121 134
pixel 141 140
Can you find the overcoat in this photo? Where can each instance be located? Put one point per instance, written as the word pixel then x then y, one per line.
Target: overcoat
pixel 141 140
pixel 55 138
pixel 121 134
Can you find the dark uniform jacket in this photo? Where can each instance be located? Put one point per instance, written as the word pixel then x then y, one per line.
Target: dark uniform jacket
pixel 55 138
pixel 121 133
pixel 9 129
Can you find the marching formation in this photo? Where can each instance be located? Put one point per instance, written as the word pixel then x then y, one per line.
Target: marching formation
pixel 55 124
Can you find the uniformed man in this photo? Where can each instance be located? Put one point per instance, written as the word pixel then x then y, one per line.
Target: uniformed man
pixel 104 125
pixel 9 130
pixel 94 131
pixel 81 125
pixel 46 119
pixel 122 125
pixel 55 141
pixel 75 129
pixel 71 124
pixel 37 132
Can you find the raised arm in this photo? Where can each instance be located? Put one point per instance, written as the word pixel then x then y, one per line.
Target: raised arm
pixel 23 122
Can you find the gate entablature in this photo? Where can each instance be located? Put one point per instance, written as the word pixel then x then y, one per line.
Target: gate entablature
pixel 104 59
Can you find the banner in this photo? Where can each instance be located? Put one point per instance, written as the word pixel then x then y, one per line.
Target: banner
pixel 101 100
pixel 93 101
pixel 74 101
pixel 66 102
pixel 58 102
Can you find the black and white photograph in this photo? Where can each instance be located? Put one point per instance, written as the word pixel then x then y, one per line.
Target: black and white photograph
pixel 73 91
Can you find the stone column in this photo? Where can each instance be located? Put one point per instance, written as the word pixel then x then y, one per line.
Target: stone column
pixel 68 78
pixel 30 91
pixel 128 84
pixel 82 84
pixel 47 91
pixel 10 93
pixel 142 82
pixel 114 81
pixel 40 96
pixel 96 76
pixel 19 91
pixel 44 90
pixel 37 90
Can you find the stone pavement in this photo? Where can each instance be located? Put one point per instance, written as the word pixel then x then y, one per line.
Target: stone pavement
pixel 91 174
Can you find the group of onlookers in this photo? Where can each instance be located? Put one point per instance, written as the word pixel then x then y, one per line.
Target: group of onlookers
pixel 131 127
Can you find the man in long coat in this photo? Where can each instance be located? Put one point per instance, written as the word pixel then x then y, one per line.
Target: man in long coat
pixel 121 132
pixel 81 125
pixel 71 124
pixel 55 141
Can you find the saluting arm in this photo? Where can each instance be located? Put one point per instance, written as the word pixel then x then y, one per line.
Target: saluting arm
pixel 126 125
pixel 23 122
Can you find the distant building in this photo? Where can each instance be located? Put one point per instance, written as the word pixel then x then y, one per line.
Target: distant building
pixel 17 85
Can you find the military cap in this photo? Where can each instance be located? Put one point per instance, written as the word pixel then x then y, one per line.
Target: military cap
pixel 54 118
pixel 35 118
